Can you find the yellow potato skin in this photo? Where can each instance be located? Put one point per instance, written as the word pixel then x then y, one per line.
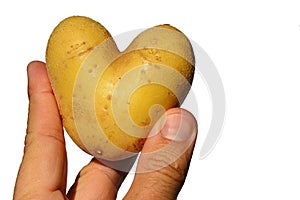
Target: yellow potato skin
pixel 68 46
pixel 141 99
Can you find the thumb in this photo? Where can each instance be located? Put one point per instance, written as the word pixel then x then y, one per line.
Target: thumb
pixel 165 158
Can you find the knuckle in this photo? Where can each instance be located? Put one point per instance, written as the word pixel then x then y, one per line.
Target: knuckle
pixel 54 135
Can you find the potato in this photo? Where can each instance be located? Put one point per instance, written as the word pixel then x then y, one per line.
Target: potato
pixel 109 100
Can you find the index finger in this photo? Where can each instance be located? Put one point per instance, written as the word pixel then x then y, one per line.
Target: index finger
pixel 43 168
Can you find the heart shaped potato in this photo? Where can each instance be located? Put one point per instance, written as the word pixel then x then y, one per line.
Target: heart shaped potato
pixel 109 100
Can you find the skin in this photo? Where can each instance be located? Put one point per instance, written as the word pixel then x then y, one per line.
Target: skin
pixel 43 171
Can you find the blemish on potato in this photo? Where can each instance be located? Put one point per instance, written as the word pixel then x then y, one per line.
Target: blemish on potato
pixel 143 72
pixel 152 51
pixel 158 58
pixel 86 51
pixel 105 108
pixel 146 122
pixel 99 152
pixel 137 146
pixel 96 66
pixel 157 66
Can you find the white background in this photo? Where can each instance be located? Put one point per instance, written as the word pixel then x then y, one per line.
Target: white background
pixel 255 46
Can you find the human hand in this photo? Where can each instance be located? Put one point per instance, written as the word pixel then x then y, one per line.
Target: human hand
pixel 43 171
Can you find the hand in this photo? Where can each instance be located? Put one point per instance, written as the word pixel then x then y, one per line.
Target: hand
pixel 43 171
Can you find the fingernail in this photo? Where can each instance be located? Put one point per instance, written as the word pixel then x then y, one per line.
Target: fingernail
pixel 179 127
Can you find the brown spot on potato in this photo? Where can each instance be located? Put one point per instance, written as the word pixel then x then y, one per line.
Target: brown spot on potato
pixel 138 145
pixel 157 66
pixel 146 122
pixel 105 108
pixel 158 58
pixel 86 51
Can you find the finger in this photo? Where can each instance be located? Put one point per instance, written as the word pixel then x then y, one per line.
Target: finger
pixel 165 158
pixel 96 181
pixel 43 168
